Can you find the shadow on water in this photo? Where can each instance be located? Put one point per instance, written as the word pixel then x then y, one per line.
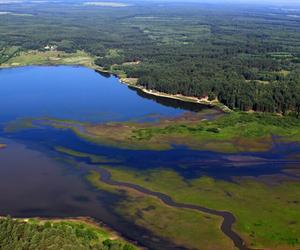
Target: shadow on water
pixel 174 103
pixel 104 74
pixel 165 101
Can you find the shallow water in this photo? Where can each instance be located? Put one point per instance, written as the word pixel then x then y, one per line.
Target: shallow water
pixel 35 180
pixel 36 183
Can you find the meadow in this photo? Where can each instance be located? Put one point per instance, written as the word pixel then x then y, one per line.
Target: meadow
pixel 46 57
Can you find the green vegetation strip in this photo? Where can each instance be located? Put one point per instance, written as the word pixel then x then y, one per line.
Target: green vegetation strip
pixel 234 132
pixel 58 234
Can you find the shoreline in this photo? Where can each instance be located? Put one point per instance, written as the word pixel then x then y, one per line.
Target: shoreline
pixel 128 82
pixel 179 97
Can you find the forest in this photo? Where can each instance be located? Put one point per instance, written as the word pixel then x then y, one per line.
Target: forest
pixel 246 57
pixel 17 234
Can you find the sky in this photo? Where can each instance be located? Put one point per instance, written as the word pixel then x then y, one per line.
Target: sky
pixel 264 1
pixel 283 2
pixel 277 2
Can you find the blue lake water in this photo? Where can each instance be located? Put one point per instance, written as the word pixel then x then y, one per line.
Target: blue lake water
pixel 77 93
pixel 35 180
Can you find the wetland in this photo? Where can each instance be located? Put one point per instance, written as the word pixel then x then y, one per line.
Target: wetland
pixel 161 172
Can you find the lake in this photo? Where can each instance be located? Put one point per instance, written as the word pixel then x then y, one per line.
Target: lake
pixel 76 93
pixel 36 180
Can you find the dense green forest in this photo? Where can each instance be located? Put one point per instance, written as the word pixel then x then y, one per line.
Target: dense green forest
pixel 17 234
pixel 246 56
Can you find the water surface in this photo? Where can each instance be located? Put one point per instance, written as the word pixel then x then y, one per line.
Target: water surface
pixel 75 93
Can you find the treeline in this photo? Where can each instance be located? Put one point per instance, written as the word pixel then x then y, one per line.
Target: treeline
pixel 275 88
pixel 15 234
pixel 280 96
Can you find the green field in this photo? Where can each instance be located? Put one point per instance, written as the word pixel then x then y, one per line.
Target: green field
pixel 49 58
pixel 7 53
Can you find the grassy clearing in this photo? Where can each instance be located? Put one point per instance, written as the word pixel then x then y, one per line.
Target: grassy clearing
pixel 49 58
pixel 284 73
pixel 166 30
pixel 8 53
pixel 267 214
pixel 111 53
pixel 184 227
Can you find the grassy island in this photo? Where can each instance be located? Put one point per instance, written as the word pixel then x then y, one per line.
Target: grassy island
pixel 234 132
